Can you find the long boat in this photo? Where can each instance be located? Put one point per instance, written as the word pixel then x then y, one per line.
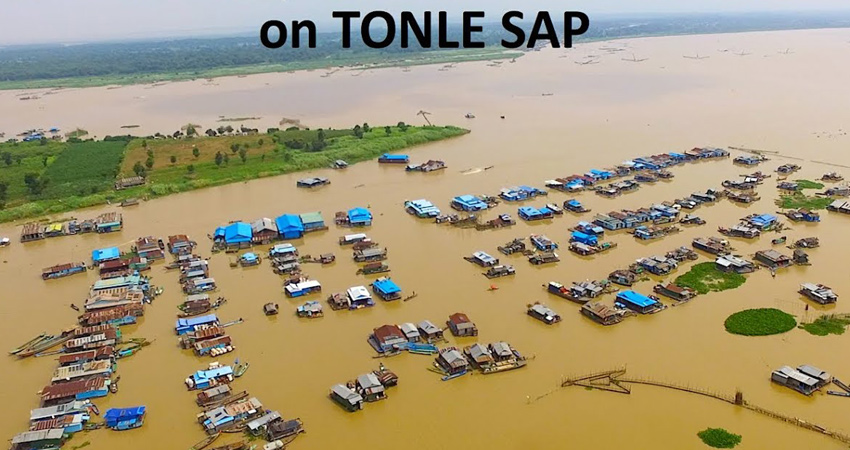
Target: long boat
pixel 30 343
pixel 62 270
pixel 205 442
pixel 46 344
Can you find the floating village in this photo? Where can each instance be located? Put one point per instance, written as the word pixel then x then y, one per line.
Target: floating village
pixel 89 352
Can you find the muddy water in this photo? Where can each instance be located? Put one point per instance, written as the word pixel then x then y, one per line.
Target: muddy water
pixel 598 115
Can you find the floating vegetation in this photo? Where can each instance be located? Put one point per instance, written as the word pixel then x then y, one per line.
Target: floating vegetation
pixel 130 126
pixel 760 322
pixel 705 278
pixel 826 325
pixel 237 119
pixel 719 438
pixel 797 201
pixel 808 184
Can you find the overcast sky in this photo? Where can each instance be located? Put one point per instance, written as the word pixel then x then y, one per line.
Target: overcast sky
pixel 71 21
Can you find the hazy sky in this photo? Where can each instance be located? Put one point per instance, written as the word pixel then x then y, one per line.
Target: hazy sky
pixel 85 20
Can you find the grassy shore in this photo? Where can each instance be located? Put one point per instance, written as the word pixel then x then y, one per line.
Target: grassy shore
pixel 79 175
pixel 760 322
pixel 705 278
pixel 375 61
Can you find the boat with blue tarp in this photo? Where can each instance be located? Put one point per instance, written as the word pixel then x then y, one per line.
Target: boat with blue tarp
pixel 120 419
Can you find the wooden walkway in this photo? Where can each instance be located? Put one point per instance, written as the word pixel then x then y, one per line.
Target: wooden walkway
pixel 615 381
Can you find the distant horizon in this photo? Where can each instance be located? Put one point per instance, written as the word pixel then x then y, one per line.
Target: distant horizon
pixel 329 27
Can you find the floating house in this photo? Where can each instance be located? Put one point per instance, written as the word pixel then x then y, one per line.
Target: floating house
pixel 428 166
pixel 302 288
pixel 482 259
pixel 370 387
pixel 802 215
pixel 749 160
pixel 150 248
pixel 359 217
pixel 543 243
pixel 520 193
pixel 75 390
pixel 529 213
pixel 429 332
pixel 236 235
pixel 460 325
pixel 794 379
pixel 730 263
pixel 89 369
pixel 410 332
pixel 105 254
pixel 289 226
pixel 773 259
pixel 675 291
pixel 602 314
pixel 608 222
pixel 264 231
pixel 108 222
pixel 452 362
pixel 350 239
pixel 589 228
pixel 818 293
pixel 283 250
pixel 310 310
pixel 62 270
pixel 346 397
pixel 583 238
pixel 190 324
pixel 124 418
pixel 712 245
pixel 359 297
pixel 42 439
pixel 312 221
pixel 312 182
pixel 839 206
pixel 658 265
pixel 386 289
pixel 179 244
pixel 387 338
pixel 421 208
pixel 742 230
pixel 468 203
pixel 543 314
pixel 638 302
pixel 370 254
pixel 68 423
pixel 258 426
pixel 763 222
pixel 575 206
pixel 387 158
pixel 51 412
pixel 205 379
pixel 231 415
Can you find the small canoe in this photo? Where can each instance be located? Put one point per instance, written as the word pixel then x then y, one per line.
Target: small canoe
pixel 205 442
pixel 839 393
pixel 240 369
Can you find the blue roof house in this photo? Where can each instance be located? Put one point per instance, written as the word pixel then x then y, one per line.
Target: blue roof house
pixel 125 418
pixel 584 238
pixel 421 208
pixel 763 221
pixel 386 289
pixel 105 254
pixel 187 325
pixel 239 233
pixel 468 203
pixel 638 302
pixel 359 217
pixel 289 226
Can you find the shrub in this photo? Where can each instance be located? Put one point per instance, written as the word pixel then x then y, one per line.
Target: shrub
pixel 719 438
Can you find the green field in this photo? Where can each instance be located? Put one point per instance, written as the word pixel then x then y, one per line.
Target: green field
pixel 66 176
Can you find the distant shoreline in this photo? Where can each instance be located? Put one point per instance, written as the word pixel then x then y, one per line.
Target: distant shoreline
pixel 190 59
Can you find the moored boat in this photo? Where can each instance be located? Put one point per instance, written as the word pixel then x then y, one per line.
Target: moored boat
pixel 63 270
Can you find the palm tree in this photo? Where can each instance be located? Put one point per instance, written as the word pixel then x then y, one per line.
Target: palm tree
pixel 424 115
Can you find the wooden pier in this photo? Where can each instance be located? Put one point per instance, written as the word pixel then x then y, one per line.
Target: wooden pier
pixel 614 380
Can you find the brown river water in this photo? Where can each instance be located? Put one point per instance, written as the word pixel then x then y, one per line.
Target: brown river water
pixel 598 115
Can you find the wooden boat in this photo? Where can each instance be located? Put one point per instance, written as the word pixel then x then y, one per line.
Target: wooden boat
pixel 129 202
pixel 779 240
pixel 371 268
pixel 839 393
pixel 46 344
pixel 205 442
pixel 30 343
pixel 240 369
pixel 232 446
pixel 222 401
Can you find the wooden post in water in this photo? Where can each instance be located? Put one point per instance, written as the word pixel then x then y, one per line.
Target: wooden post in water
pixel 739 398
